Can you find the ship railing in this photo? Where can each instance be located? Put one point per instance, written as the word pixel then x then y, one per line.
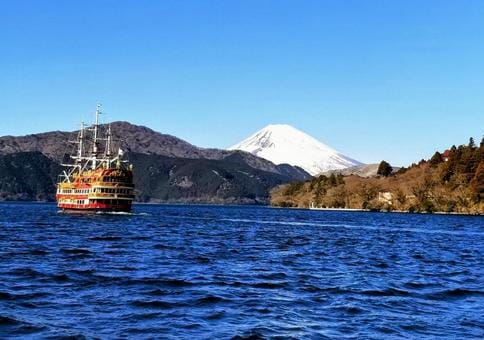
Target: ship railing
pixel 113 184
pixel 104 195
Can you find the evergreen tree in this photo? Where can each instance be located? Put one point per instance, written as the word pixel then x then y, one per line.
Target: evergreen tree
pixel 340 179
pixel 332 180
pixel 384 169
pixel 436 159
pixel 472 144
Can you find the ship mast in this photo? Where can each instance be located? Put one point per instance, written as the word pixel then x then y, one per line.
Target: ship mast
pixel 88 157
pixel 108 147
pixel 95 139
pixel 79 150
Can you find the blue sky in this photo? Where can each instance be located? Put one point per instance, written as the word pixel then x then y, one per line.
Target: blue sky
pixel 391 80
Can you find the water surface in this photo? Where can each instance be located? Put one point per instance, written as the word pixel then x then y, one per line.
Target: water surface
pixel 222 272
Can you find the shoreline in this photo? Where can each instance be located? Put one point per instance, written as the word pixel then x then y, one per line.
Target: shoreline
pixel 381 211
pixel 272 206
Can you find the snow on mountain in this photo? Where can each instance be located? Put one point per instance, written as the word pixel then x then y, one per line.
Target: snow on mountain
pixel 281 143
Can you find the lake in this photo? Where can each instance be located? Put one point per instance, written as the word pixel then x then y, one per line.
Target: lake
pixel 187 271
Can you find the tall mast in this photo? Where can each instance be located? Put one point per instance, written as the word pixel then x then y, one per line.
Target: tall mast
pixel 108 145
pixel 81 140
pixel 95 142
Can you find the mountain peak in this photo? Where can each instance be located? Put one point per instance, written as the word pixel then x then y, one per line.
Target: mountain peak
pixel 283 143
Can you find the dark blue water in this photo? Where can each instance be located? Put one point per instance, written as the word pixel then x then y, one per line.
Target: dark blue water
pixel 221 272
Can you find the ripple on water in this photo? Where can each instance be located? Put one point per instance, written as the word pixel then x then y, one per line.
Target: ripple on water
pixel 239 272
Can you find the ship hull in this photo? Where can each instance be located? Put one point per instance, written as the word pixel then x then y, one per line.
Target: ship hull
pixel 74 208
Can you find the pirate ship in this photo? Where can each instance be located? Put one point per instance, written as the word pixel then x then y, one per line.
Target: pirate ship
pixel 95 178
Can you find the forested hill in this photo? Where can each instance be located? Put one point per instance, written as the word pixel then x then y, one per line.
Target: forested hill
pixel 32 176
pixel 451 181
pixel 166 168
pixel 140 139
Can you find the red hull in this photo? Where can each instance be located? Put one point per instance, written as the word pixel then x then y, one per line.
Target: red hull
pixel 96 207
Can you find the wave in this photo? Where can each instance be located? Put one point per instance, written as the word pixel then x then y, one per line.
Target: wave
pixel 8 321
pixel 385 292
pixel 210 299
pixel 121 213
pixel 159 281
pixel 105 238
pixel 26 272
pixel 456 293
pixel 153 304
pixel 78 252
pixel 330 224
pixel 269 285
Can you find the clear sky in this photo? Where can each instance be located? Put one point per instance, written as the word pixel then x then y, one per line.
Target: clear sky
pixel 391 80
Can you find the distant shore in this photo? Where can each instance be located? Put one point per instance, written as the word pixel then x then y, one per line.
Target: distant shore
pixel 380 211
pixel 271 206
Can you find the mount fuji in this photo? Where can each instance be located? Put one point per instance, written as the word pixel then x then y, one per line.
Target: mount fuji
pixel 282 143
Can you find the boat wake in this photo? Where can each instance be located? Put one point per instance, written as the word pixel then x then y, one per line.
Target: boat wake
pixel 115 213
pixel 121 213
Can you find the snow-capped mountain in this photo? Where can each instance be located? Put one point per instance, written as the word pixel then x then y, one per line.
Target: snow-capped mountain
pixel 281 143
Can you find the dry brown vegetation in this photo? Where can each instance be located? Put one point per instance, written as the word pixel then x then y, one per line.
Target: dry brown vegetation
pixel 454 183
